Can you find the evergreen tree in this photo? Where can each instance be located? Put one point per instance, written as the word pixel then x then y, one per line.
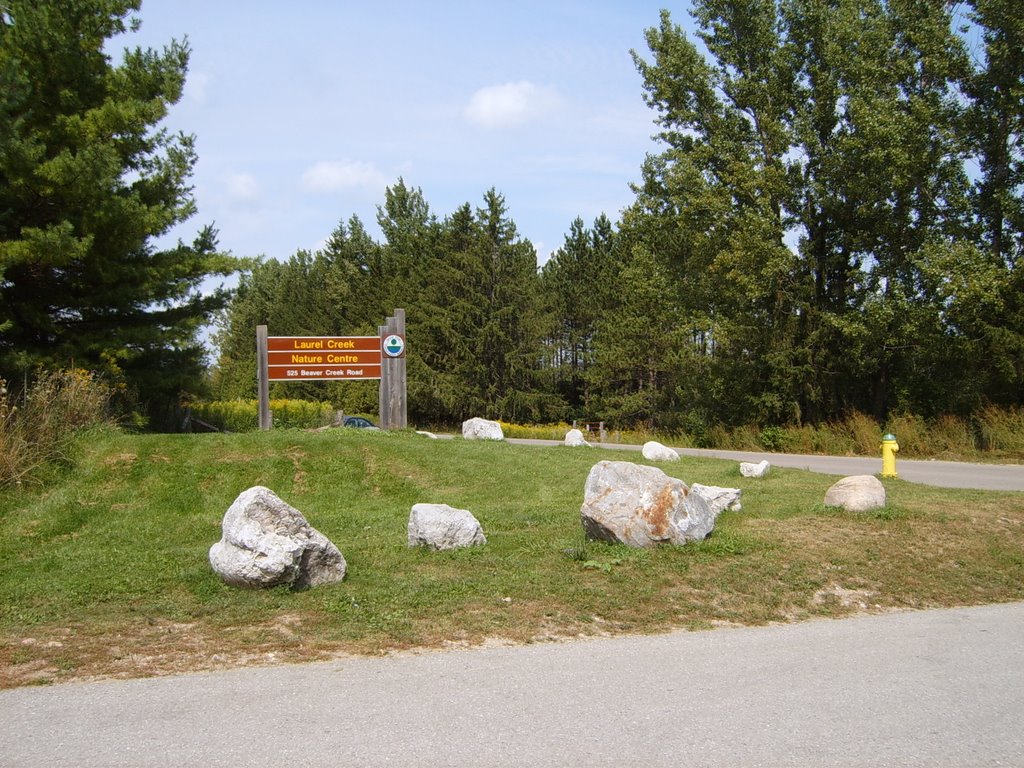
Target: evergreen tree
pixel 355 260
pixel 508 343
pixel 578 284
pixel 640 348
pixel 469 288
pixel 254 303
pixel 309 295
pixel 453 310
pixel 87 181
pixel 407 224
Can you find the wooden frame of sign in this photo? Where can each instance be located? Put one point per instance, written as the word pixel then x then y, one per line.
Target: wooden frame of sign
pixel 337 358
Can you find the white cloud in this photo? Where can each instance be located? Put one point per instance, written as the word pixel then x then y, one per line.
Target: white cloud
pixel 500 106
pixel 242 187
pixel 328 176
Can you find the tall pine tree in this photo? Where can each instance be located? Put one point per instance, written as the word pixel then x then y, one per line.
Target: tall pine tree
pixel 88 180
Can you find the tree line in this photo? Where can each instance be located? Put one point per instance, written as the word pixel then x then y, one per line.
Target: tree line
pixel 833 222
pixel 839 202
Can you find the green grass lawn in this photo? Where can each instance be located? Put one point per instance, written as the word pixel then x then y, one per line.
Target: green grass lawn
pixel 105 571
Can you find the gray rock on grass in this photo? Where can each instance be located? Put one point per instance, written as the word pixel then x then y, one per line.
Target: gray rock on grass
pixel 575 439
pixel 439 527
pixel 719 499
pixel 482 429
pixel 641 506
pixel 749 469
pixel 655 451
pixel 857 493
pixel 268 543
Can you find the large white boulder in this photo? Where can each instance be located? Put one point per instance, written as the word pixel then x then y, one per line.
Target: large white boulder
pixel 439 526
pixel 642 506
pixel 719 499
pixel 482 429
pixel 655 451
pixel 749 469
pixel 857 493
pixel 575 439
pixel 267 543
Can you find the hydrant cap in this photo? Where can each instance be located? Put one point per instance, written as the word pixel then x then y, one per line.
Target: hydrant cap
pixel 889 436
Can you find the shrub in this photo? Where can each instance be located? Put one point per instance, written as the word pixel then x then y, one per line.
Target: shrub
pixel 40 431
pixel 696 428
pixel 771 438
pixel 744 438
pixel 996 430
pixel 861 435
pixel 300 414
pixel 802 439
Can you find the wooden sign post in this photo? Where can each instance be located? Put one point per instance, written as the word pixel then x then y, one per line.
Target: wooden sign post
pixel 392 397
pixel 337 358
pixel 262 377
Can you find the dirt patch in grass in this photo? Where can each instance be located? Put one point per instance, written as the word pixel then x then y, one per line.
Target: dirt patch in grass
pixel 151 649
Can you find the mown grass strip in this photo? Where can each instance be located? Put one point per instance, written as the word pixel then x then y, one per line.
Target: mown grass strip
pixel 106 572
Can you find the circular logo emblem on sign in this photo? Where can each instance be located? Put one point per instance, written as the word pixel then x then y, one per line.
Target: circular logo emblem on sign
pixel 394 345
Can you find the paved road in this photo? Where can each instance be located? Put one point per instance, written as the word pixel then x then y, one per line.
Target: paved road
pixel 935 688
pixel 946 474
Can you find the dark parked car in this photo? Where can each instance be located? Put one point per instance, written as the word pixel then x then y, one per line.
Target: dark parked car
pixel 360 422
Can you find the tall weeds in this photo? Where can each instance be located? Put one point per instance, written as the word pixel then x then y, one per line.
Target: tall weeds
pixel 38 426
pixel 243 415
pixel 1002 430
pixel 993 433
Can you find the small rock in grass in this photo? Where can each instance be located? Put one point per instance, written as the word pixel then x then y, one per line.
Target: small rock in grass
pixel 749 469
pixel 655 451
pixel 857 493
pixel 719 499
pixel 574 438
pixel 482 429
pixel 439 527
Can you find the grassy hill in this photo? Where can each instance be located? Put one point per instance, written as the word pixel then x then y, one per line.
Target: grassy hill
pixel 105 571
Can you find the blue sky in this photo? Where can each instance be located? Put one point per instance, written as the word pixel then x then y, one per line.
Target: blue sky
pixel 305 111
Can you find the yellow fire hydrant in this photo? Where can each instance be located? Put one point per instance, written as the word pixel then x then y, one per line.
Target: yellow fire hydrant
pixel 889 449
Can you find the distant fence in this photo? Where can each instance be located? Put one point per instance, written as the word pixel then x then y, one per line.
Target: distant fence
pixel 592 428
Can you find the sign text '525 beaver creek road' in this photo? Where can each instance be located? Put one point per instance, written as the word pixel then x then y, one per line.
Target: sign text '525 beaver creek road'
pixel 323 358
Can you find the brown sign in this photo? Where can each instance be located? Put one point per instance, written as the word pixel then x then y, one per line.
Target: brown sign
pixel 323 358
pixel 324 343
pixel 322 372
